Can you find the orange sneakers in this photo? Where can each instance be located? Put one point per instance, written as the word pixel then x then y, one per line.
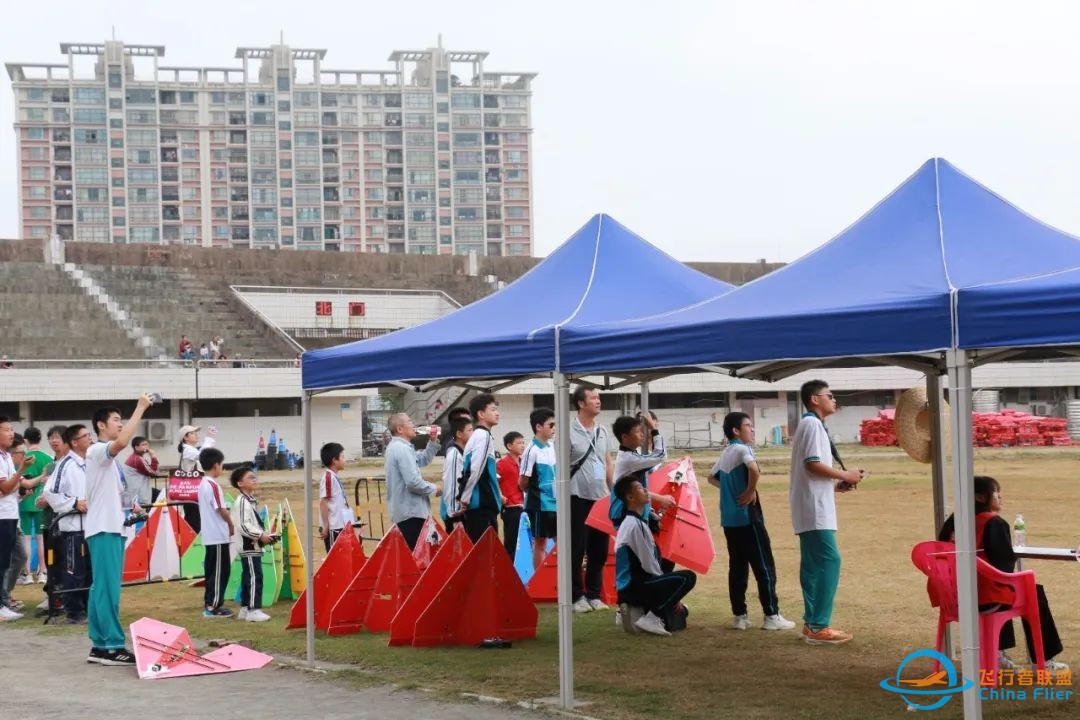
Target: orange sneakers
pixel 825 636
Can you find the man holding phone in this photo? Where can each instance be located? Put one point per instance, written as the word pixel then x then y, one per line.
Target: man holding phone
pixel 814 484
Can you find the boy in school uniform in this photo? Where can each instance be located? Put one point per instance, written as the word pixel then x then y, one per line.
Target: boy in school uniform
pixel 461 429
pixel 334 507
pixel 812 496
pixel 538 481
pixel 646 594
pixel 513 499
pixel 104 527
pixel 630 432
pixel 66 492
pixel 217 529
pixel 479 495
pixel 736 475
pixel 253 539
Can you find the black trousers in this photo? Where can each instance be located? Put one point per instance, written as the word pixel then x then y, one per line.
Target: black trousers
pixel 411 529
pixel 452 522
pixel 9 533
pixel 1051 640
pixel 511 517
pixel 331 536
pixel 191 515
pixel 216 568
pixel 478 521
pixel 589 545
pixel 75 574
pixel 251 581
pixel 749 549
pixel 659 594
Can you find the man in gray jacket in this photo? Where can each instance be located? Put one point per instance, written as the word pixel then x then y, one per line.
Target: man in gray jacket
pixel 408 495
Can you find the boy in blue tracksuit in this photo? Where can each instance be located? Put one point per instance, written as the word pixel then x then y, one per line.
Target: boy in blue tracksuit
pixel 736 474
pixel 479 495
pixel 646 594
pixel 538 481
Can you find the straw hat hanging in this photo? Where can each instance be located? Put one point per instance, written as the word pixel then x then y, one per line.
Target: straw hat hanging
pixel 913 424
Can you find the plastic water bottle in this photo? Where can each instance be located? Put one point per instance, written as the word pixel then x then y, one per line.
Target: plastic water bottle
pixel 1019 531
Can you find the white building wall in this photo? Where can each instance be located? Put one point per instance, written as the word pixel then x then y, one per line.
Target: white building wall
pixel 383 310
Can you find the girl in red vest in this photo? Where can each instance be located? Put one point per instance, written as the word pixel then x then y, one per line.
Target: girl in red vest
pixel 993 540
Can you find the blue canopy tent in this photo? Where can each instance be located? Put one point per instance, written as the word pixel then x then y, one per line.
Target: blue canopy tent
pixel 600 274
pixel 604 272
pixel 941 275
pixel 887 285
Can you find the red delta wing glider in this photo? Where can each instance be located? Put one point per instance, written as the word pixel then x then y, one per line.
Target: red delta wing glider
pixel 166 651
pixel 684 536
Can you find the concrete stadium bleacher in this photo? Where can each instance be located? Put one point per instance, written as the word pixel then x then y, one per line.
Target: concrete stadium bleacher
pixel 177 289
pixel 45 315
pixel 168 303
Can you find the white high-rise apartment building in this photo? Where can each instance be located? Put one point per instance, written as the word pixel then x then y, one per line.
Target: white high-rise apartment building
pixel 431 155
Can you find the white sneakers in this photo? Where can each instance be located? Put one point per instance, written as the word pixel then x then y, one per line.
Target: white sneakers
pixel 242 614
pixel 581 605
pixel 1007 663
pixel 772 622
pixel 8 614
pixel 42 577
pixel 777 622
pixel 651 624
pixel 597 604
pixel 255 616
pixel 25 579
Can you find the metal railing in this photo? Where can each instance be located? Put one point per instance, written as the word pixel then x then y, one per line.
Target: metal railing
pixel 372 520
pixel 250 307
pixel 16 363
pixel 302 290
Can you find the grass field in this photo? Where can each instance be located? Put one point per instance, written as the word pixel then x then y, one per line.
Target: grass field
pixel 710 670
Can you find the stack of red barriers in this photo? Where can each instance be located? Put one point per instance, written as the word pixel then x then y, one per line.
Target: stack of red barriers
pixel 1007 428
pixel 1012 427
pixel 390 592
pixel 879 431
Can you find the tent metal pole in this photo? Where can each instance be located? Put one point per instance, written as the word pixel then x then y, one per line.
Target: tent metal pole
pixel 309 530
pixel 938 458
pixel 562 521
pixel 644 399
pixel 964 511
pixel 938 439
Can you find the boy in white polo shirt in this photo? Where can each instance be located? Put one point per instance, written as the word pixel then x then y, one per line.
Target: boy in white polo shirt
pixel 217 529
pixel 333 505
pixel 104 526
pixel 814 482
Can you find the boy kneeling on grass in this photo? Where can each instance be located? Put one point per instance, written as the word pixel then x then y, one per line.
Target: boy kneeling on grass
pixel 646 594
pixel 252 537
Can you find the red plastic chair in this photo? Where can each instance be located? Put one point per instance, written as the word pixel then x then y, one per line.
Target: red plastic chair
pixel 937 560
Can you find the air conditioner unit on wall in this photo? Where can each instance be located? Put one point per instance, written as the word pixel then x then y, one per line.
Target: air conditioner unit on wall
pixel 158 431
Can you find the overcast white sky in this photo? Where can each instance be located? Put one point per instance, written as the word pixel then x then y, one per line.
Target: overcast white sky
pixel 728 130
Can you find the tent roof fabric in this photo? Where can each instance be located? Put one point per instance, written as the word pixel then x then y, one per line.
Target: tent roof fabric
pixel 894 282
pixel 1026 312
pixel 604 272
